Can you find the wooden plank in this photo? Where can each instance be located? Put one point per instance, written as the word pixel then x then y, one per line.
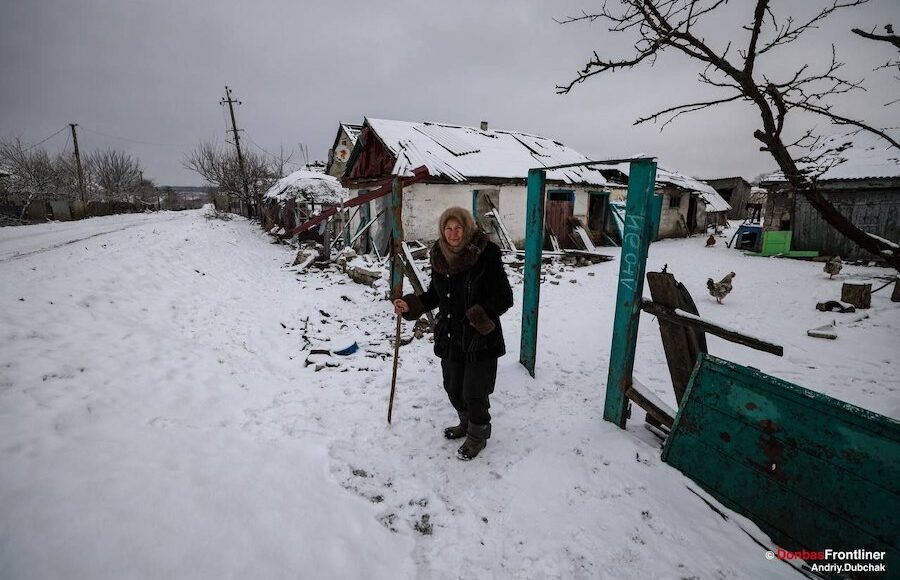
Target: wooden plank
pixel 396 239
pixel 646 400
pixel 365 228
pixel 534 244
pixel 630 288
pixel 793 522
pixel 419 174
pixel 666 313
pixel 681 343
pixel 798 468
pixel 813 472
pixel 414 276
pixel 867 449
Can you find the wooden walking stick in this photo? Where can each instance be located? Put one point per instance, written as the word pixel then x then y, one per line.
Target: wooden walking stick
pixel 394 376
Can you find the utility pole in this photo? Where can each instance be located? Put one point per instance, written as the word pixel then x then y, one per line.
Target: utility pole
pixel 237 143
pixel 78 161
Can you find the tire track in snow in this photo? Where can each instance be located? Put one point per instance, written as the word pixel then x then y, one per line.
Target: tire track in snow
pixel 75 241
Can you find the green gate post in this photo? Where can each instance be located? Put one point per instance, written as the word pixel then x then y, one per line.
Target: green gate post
pixel 534 244
pixel 396 239
pixel 635 243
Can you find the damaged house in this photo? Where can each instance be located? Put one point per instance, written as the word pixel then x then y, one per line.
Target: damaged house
pixel 684 206
pixel 860 175
pixel 340 151
pixel 473 167
pixel 295 198
pixel 737 192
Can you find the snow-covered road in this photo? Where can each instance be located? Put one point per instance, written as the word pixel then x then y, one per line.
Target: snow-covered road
pixel 157 418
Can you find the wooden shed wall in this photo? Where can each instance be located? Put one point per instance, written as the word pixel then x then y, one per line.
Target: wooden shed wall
pixel 874 211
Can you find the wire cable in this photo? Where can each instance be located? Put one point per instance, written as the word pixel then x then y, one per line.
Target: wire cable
pixel 47 138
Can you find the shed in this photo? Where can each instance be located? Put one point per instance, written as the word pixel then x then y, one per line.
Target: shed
pixel 736 191
pixel 859 174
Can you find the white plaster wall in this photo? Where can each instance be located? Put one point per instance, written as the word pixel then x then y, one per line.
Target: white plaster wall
pixel 424 203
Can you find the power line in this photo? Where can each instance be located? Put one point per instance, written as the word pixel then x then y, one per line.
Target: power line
pixel 47 138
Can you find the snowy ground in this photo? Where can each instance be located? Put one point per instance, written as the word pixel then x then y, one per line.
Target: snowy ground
pixel 157 418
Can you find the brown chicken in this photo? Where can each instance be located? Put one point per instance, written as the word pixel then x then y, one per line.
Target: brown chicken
pixel 833 266
pixel 710 241
pixel 719 290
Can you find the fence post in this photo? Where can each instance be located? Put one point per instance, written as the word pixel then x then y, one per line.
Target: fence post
pixel 632 266
pixel 534 244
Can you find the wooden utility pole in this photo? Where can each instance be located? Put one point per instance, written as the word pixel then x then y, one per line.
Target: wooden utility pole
pixel 80 171
pixel 237 142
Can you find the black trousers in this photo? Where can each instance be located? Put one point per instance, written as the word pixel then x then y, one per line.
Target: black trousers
pixel 468 385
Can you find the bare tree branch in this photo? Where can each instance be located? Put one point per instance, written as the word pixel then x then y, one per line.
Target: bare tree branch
pixel 790 31
pixel 890 38
pixel 669 25
pixel 686 108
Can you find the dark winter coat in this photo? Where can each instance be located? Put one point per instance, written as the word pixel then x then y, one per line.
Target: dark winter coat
pixel 470 297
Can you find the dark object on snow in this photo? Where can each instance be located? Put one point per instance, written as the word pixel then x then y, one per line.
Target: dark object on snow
pixel 719 290
pixel 835 306
pixel 859 295
pixel 348 349
pixel 710 241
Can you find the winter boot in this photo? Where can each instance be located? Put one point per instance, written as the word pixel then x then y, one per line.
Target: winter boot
pixel 471 448
pixel 476 440
pixel 458 431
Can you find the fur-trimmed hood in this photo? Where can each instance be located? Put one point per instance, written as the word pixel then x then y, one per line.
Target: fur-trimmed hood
pixel 467 257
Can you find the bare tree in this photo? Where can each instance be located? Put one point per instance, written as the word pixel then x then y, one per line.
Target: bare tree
pixel 116 174
pixel 890 38
pixel 31 173
pixel 219 166
pixel 672 25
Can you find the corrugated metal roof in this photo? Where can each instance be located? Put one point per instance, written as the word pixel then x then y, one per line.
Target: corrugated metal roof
pixel 465 153
pixel 858 155
pixel 352 131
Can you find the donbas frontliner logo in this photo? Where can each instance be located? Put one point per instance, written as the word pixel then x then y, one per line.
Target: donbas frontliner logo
pixel 834 561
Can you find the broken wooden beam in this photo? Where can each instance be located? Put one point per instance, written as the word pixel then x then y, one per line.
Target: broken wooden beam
pixel 698 323
pixel 680 343
pixel 419 174
pixel 641 396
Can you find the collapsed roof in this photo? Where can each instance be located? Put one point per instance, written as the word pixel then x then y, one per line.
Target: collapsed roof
pixel 308 186
pixel 467 153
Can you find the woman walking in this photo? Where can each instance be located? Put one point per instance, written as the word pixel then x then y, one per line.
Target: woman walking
pixel 471 291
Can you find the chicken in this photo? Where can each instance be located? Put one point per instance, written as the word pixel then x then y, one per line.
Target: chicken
pixel 719 290
pixel 833 266
pixel 710 241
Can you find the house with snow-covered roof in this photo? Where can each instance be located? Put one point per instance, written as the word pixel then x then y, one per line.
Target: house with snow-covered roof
pixel 686 205
pixel 295 198
pixel 859 173
pixel 340 150
pixel 474 167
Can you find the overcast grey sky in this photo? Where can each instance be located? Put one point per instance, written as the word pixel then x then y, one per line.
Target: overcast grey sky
pixel 146 76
